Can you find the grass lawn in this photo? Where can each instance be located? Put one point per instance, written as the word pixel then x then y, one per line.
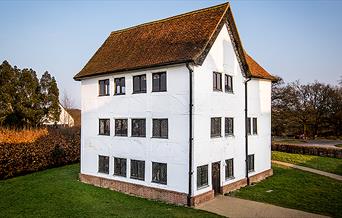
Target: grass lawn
pixel 327 164
pixel 339 145
pixel 58 193
pixel 299 190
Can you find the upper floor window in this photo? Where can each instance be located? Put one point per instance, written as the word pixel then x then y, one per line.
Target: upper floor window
pixel 255 126
pixel 139 84
pixel 160 128
pixel 159 82
pixel 248 125
pixel 250 162
pixel 229 168
pixel 215 127
pixel 138 169
pixel 202 176
pixel 229 126
pixel 228 83
pixel 138 127
pixel 119 84
pixel 121 127
pixel 103 164
pixel 159 173
pixel 217 81
pixel 104 127
pixel 104 87
pixel 120 166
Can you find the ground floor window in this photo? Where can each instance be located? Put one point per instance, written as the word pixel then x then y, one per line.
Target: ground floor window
pixel 120 166
pixel 229 168
pixel 138 169
pixel 202 176
pixel 103 164
pixel 250 162
pixel 159 173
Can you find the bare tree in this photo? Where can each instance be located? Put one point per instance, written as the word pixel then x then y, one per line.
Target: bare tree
pixel 67 101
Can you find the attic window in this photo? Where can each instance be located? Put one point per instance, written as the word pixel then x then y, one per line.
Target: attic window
pixel 119 86
pixel 228 83
pixel 159 82
pixel 139 84
pixel 217 81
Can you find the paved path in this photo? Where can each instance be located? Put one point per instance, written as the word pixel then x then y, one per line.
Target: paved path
pixel 331 175
pixel 235 207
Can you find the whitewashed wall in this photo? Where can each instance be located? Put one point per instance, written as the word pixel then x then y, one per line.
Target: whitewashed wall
pixel 173 104
pixel 209 103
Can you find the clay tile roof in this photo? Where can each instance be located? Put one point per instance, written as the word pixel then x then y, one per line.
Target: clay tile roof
pixel 256 70
pixel 179 39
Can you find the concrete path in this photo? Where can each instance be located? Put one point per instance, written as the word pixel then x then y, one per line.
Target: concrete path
pixel 331 175
pixel 235 207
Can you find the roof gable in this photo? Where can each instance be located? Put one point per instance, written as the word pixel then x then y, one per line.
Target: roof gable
pixel 179 39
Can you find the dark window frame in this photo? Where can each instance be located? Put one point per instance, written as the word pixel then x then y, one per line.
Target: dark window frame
pixel 229 130
pixel 158 123
pixel 106 90
pixel 251 163
pixel 249 130
pixel 122 86
pixel 228 83
pixel 142 84
pixel 229 169
pixel 119 127
pixel 213 125
pixel 120 167
pixel 142 131
pixel 202 176
pixel 106 130
pixel 159 173
pixel 255 126
pixel 217 77
pixel 140 167
pixel 159 86
pixel 103 167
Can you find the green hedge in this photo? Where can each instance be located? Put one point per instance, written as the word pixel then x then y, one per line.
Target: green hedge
pixel 60 147
pixel 307 149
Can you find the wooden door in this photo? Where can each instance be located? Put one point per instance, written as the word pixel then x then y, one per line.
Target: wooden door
pixel 215 177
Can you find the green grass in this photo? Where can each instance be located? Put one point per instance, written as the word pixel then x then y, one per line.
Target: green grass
pixel 338 145
pixel 58 193
pixel 298 190
pixel 327 164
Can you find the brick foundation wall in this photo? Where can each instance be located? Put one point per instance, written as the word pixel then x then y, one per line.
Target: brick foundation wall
pixel 198 199
pixel 243 182
pixel 137 190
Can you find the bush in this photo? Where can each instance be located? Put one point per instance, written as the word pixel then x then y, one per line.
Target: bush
pixel 310 150
pixel 56 148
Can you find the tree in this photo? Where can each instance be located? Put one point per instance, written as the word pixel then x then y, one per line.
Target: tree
pixel 67 101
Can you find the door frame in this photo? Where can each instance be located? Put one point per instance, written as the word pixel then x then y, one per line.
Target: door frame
pixel 218 173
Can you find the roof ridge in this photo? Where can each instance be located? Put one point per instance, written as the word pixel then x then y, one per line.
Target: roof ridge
pixel 170 18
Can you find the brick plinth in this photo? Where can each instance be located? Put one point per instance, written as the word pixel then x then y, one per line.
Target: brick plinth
pixel 198 199
pixel 138 190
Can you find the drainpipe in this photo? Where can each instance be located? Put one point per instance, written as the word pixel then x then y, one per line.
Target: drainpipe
pixel 190 133
pixel 246 133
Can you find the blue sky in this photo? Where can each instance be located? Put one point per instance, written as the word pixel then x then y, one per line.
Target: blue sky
pixel 292 39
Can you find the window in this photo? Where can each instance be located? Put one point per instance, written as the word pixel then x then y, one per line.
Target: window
pixel 229 126
pixel 250 163
pixel 202 176
pixel 216 127
pixel 138 127
pixel 159 82
pixel 120 166
pixel 119 86
pixel 229 169
pixel 104 87
pixel 217 81
pixel 228 84
pixel 255 126
pixel 121 127
pixel 103 164
pixel 160 128
pixel 248 125
pixel 138 169
pixel 159 173
pixel 104 127
pixel 139 84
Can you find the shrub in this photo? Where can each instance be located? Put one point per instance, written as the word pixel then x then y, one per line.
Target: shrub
pixel 58 147
pixel 21 136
